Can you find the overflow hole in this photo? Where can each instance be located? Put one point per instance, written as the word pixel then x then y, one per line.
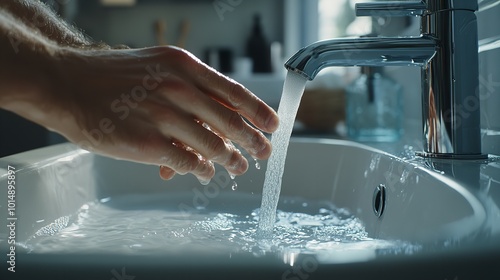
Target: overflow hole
pixel 379 200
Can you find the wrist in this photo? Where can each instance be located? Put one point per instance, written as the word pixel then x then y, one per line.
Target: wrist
pixel 28 79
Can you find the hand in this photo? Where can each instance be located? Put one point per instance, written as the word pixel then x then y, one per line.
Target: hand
pixel 158 106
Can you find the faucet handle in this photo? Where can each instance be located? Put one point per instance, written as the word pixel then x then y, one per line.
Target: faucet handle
pixel 391 8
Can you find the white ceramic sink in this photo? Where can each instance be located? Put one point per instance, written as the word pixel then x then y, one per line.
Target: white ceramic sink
pixel 395 200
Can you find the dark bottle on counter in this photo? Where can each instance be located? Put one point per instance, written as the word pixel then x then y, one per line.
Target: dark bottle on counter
pixel 258 49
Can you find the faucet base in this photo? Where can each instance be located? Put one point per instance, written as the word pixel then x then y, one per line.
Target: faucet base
pixel 452 156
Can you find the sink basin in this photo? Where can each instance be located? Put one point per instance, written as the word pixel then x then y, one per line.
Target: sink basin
pixel 435 216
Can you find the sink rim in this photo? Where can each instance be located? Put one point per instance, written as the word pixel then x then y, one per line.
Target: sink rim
pixel 33 160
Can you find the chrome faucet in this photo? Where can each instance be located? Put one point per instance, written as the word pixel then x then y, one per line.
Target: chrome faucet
pixel 447 52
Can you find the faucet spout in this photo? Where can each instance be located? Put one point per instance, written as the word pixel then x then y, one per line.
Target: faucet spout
pixel 365 51
pixel 446 51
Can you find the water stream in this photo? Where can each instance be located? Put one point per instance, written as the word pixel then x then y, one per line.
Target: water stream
pixel 289 104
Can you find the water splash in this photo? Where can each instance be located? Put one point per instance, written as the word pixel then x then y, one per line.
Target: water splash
pixel 311 228
pixel 257 164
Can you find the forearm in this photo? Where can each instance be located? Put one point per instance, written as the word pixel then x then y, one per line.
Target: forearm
pixel 37 16
pixel 32 39
pixel 25 65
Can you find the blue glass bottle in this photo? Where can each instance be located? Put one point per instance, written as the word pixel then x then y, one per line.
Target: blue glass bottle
pixel 374 110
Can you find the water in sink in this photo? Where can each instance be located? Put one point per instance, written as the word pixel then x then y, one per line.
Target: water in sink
pixel 149 224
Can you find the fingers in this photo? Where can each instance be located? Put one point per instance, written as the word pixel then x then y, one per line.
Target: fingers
pixel 193 91
pixel 232 126
pixel 228 92
pixel 140 141
pixel 182 160
pixel 175 123
pixel 166 173
pixel 227 123
pixel 237 97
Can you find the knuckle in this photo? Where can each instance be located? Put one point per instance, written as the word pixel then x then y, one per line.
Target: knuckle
pixel 181 57
pixel 182 54
pixel 177 90
pixel 257 144
pixel 261 113
pixel 257 139
pixel 216 147
pixel 206 169
pixel 185 164
pixel 235 95
pixel 236 163
pixel 235 124
pixel 165 115
pixel 172 86
pixel 234 159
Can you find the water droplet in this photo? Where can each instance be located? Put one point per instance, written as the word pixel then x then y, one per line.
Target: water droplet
pixel 257 164
pixel 232 176
pixel 234 186
pixel 204 182
pixel 104 200
pixel 404 176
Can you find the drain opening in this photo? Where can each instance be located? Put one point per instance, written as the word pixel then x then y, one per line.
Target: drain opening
pixel 379 200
